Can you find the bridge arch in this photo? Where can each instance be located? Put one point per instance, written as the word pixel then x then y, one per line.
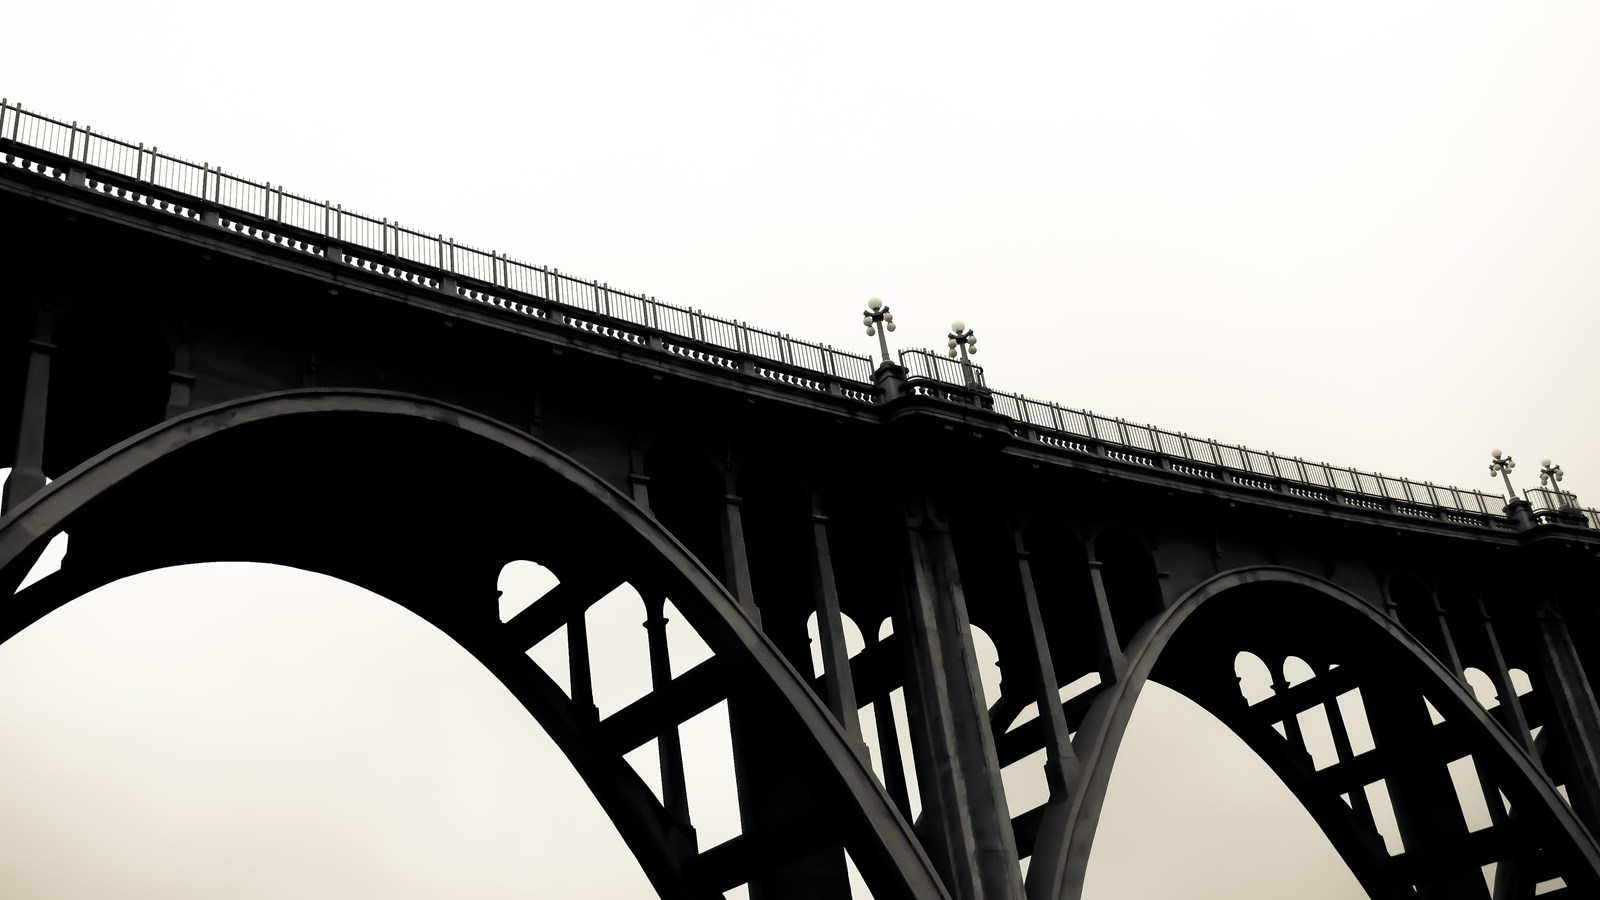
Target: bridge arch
pixel 1273 611
pixel 309 479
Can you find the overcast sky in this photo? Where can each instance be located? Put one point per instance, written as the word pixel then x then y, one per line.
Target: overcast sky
pixel 1360 232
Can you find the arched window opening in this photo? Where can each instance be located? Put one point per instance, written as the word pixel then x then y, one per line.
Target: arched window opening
pixel 987 660
pixel 1482 687
pixel 619 649
pixel 854 643
pixel 521 583
pixel 1520 682
pixel 1129 575
pixel 1297 671
pixel 1255 679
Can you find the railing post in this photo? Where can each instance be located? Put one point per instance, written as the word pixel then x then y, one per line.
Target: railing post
pixel 208 213
pixel 75 174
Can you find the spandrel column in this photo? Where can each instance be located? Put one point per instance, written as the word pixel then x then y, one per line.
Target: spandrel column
pixel 964 809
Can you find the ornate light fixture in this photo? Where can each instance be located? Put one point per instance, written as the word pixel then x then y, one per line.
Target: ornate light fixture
pixel 967 341
pixel 1501 465
pixel 1552 475
pixel 878 319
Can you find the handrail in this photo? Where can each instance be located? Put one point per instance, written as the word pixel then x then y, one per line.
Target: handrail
pixel 272 203
pixel 479 275
pixel 927 364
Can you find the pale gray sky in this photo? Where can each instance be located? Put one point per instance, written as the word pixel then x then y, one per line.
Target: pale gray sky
pixel 1362 233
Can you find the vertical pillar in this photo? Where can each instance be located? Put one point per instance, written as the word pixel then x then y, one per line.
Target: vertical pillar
pixel 578 665
pixel 180 378
pixel 27 473
pixel 1345 753
pixel 838 685
pixel 638 481
pixel 669 746
pixel 958 771
pixel 1447 640
pixel 1061 763
pixel 674 791
pixel 1105 636
pixel 1572 702
pixel 1511 715
pixel 1291 722
pixel 1423 796
pixel 735 560
pixel 894 772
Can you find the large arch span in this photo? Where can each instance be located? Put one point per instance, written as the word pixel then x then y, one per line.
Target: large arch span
pixel 423 503
pixel 1278 613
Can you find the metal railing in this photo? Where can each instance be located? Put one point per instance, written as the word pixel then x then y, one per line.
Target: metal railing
pixel 1557 506
pixel 265 211
pixel 1229 463
pixel 938 366
pixel 393 244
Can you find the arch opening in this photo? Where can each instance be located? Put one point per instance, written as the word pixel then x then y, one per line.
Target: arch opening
pixel 241 727
pixel 237 482
pixel 1389 802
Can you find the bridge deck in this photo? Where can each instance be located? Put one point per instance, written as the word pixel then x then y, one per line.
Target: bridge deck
pixel 37 146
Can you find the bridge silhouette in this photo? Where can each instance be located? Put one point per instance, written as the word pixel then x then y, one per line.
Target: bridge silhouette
pixel 212 368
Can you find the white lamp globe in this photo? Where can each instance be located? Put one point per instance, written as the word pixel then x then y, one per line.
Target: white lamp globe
pixel 874 304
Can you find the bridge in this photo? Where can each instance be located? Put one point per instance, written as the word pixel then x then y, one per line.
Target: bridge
pixel 207 367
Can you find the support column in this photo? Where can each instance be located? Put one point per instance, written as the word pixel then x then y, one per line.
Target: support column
pixel 27 474
pixel 1105 636
pixel 180 378
pixel 1344 753
pixel 1573 704
pixel 838 684
pixel 1512 715
pixel 1291 722
pixel 894 772
pixel 669 746
pixel 958 772
pixel 1426 807
pixel 674 791
pixel 578 665
pixel 1060 763
pixel 735 561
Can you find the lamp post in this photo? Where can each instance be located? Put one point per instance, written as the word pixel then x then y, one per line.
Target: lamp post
pixel 1501 465
pixel 1553 475
pixel 1518 510
pixel 878 319
pixel 965 339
